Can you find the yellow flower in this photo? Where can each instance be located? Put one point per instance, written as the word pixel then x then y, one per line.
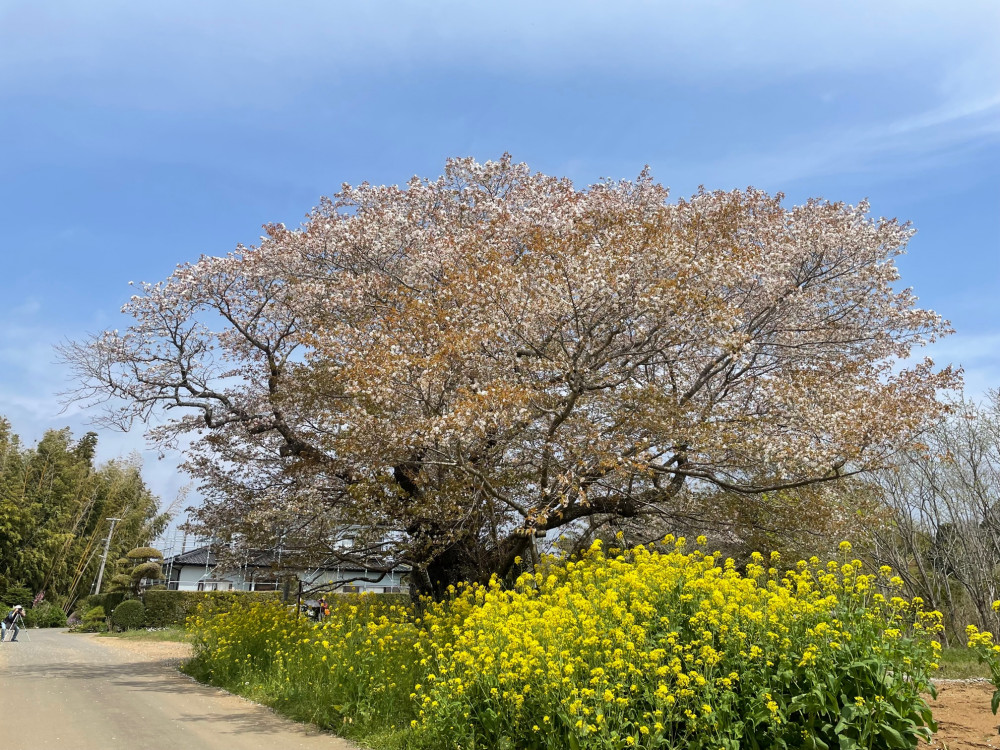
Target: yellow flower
pixel 635 642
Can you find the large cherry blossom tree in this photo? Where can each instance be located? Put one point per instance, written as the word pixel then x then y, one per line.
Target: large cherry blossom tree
pixel 459 365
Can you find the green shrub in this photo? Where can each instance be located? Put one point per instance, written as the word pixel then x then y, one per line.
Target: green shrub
pixel 45 615
pixel 129 615
pixel 173 607
pixel 94 621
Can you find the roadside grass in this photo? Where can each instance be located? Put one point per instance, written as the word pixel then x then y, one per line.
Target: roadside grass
pixel 173 634
pixel 960 663
pixel 272 692
pixel 386 739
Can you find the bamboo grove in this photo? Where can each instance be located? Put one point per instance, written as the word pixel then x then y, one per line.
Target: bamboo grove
pixel 54 500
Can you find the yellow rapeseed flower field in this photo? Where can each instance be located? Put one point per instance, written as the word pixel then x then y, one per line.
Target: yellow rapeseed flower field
pixel 653 647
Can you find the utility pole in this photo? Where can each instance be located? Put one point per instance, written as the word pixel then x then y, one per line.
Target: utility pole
pixel 104 557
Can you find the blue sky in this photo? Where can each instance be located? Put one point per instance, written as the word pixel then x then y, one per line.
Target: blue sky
pixel 134 136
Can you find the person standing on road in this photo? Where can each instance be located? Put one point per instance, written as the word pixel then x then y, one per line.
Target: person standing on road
pixel 11 621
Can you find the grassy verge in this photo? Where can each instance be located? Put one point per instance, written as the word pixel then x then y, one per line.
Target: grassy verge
pixel 173 634
pixel 270 693
pixel 960 664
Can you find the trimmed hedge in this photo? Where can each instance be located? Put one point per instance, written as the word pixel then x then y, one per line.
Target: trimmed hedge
pixel 165 608
pixel 173 607
pixel 142 553
pixel 108 601
pixel 129 615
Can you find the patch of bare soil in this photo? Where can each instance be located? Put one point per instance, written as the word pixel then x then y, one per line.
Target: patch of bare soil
pixel 152 650
pixel 964 718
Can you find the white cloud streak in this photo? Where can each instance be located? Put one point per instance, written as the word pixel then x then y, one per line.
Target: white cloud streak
pixel 896 147
pixel 693 41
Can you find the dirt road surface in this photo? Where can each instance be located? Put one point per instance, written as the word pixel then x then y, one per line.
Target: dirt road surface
pixel 63 690
pixel 965 721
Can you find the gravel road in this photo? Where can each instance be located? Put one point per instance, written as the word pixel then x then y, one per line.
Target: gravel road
pixel 62 690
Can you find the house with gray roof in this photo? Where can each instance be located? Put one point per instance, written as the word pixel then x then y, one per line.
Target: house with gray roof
pixel 201 569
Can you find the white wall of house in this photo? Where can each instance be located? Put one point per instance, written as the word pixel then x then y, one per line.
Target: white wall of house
pixel 198 578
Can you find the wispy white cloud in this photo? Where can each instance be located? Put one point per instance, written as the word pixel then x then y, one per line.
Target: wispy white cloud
pixel 221 55
pixel 953 130
pixel 256 40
